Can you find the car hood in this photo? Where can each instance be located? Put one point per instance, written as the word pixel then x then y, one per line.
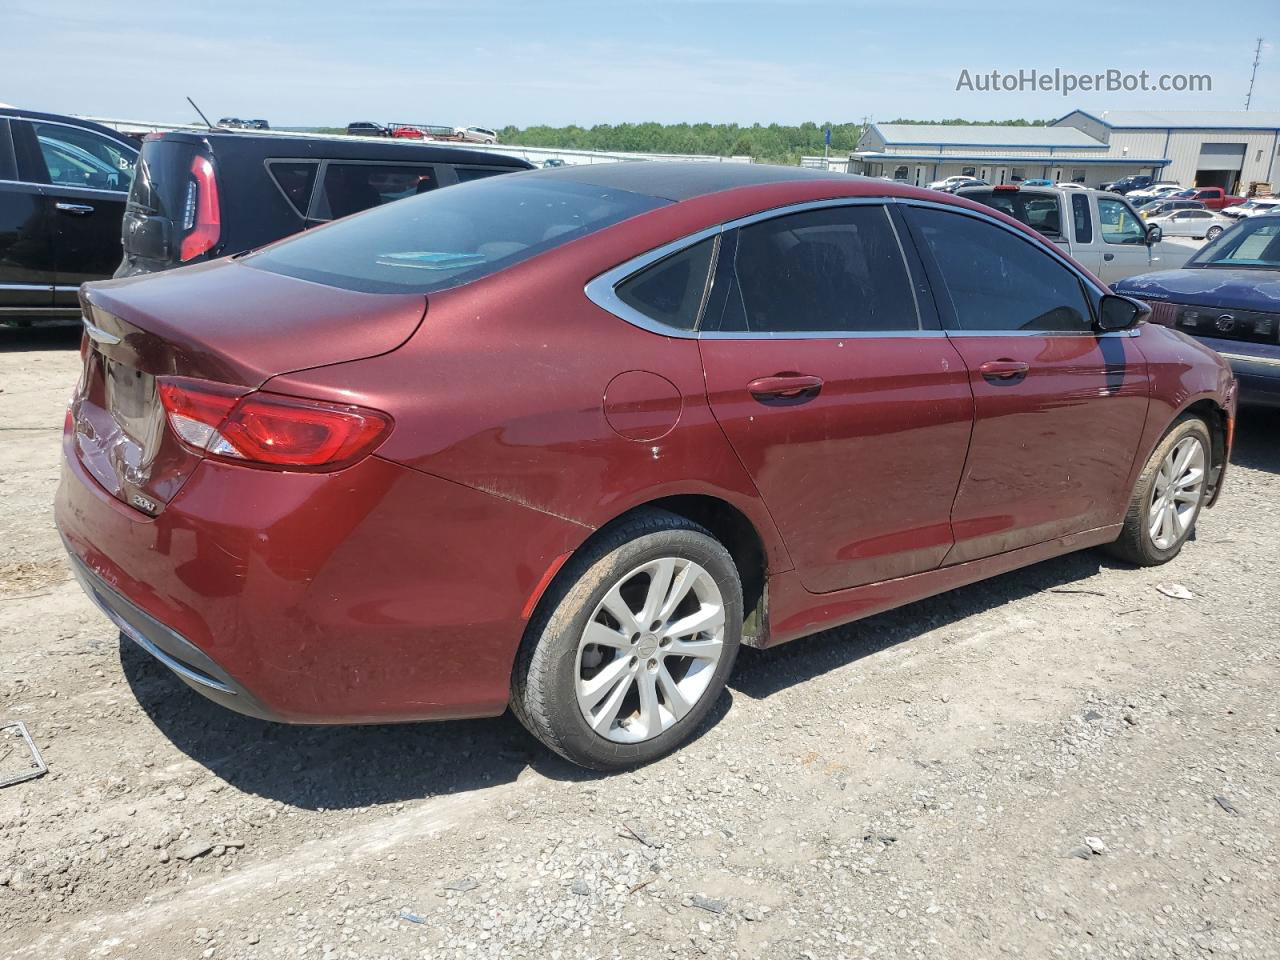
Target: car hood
pixel 1208 287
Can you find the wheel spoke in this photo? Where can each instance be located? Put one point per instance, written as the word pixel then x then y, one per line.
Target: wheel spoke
pixel 602 721
pixel 603 636
pixel 660 575
pixel 650 720
pixel 697 649
pixel 680 588
pixel 676 702
pixel 591 692
pixel 1167 533
pixel 619 610
pixel 709 617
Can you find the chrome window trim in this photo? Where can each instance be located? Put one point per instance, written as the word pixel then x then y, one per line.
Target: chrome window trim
pixel 42 287
pixel 62 187
pixel 600 290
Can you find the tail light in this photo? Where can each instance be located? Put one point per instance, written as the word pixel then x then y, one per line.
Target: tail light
pixel 269 430
pixel 201 215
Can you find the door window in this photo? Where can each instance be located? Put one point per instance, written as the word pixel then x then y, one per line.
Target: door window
pixel 351 187
pixel 671 290
pixel 74 157
pixel 998 281
pixel 1083 219
pixel 295 178
pixel 834 270
pixel 467 174
pixel 1119 224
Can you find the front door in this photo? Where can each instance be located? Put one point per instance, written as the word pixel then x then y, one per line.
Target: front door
pixel 1059 406
pixel 848 407
pixel 1125 251
pixel 26 242
pixel 88 177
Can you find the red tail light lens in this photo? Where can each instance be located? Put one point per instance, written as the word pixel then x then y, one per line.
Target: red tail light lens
pixel 201 215
pixel 270 430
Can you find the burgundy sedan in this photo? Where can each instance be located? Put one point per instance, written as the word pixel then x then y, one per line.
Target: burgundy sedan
pixel 560 441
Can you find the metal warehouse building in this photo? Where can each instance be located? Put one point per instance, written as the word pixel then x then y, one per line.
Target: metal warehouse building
pixel 1230 149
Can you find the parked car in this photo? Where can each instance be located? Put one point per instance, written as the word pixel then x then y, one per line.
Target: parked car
pixel 1200 224
pixel 258 125
pixel 1125 184
pixel 476 134
pixel 1251 207
pixel 1070 185
pixel 201 196
pixel 364 128
pixel 1161 208
pixel 1214 198
pixel 1161 188
pixel 553 162
pixel 1037 182
pixel 638 406
pixel 1099 230
pixel 234 123
pixel 63 184
pixel 951 184
pixel 1225 298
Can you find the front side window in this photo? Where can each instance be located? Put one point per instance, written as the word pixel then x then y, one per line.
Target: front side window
pixel 445 238
pixel 671 290
pixel 75 157
pixel 835 270
pixel 351 187
pixel 998 281
pixel 1119 224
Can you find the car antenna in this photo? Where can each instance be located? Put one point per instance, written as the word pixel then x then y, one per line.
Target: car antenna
pixel 201 112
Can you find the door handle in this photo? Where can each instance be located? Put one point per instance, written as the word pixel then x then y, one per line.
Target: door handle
pixel 1108 256
pixel 79 209
pixel 1004 371
pixel 785 388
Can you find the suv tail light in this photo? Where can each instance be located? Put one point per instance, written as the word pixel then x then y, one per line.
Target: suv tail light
pixel 201 216
pixel 269 430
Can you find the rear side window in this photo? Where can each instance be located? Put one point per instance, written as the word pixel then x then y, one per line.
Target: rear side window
pixel 295 178
pixel 998 281
pixel 449 237
pixel 467 174
pixel 834 270
pixel 671 290
pixel 351 187
pixel 1083 219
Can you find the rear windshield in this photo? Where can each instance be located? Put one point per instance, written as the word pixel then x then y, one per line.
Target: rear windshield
pixel 160 179
pixel 449 237
pixel 1039 211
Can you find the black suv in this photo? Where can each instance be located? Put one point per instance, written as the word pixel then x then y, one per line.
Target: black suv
pixel 1128 184
pixel 199 196
pixel 63 184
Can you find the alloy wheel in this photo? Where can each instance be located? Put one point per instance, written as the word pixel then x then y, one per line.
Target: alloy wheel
pixel 650 649
pixel 1175 496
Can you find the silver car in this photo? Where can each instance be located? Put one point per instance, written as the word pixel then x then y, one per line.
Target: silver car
pixel 1192 223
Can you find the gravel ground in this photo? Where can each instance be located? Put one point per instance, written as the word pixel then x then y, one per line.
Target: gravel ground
pixel 1061 762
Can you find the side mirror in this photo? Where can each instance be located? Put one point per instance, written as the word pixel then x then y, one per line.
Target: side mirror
pixel 1154 233
pixel 1121 313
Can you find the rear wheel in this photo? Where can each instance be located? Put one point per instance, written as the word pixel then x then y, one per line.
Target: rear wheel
pixel 1168 496
pixel 621 666
pixel 1213 233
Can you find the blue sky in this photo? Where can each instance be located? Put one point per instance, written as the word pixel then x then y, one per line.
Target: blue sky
pixel 493 62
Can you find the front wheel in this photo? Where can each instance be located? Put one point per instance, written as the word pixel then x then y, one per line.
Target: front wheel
pixel 629 655
pixel 1213 233
pixel 1168 496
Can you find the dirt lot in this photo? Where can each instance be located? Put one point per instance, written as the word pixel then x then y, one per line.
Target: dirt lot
pixel 921 784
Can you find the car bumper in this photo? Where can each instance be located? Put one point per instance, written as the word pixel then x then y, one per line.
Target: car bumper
pixel 371 595
pixel 1257 369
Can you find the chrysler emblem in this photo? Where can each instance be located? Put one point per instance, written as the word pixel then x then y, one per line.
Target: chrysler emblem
pixel 1225 323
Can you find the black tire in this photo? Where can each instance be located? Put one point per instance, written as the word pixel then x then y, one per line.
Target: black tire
pixel 1135 543
pixel 543 691
pixel 1213 233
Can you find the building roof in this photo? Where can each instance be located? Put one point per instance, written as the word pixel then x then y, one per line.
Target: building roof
pixel 1163 119
pixel 1028 158
pixel 982 135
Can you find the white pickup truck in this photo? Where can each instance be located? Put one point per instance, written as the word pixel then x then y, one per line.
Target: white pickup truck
pixel 1099 230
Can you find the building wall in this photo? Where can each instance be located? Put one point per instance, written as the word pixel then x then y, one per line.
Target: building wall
pixel 996 171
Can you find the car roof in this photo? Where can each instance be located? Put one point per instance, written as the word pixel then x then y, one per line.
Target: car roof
pixel 19 114
pixel 685 179
pixel 273 145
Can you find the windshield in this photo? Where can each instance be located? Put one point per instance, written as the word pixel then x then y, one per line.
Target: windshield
pixel 450 237
pixel 1253 243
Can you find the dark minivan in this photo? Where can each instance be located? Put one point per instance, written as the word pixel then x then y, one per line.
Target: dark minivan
pixel 200 196
pixel 63 184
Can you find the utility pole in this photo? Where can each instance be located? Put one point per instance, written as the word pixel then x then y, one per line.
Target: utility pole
pixel 1257 55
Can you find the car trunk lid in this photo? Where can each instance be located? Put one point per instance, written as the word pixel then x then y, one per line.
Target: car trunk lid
pixel 221 322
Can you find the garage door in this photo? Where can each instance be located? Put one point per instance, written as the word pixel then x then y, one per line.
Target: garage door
pixel 1221 156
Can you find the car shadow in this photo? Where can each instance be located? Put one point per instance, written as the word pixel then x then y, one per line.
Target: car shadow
pixel 50 337
pixel 1256 445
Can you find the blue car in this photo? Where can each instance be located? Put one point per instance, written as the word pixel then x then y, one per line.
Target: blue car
pixel 1036 183
pixel 1228 296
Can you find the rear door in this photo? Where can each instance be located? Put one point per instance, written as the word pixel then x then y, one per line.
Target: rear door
pixel 88 177
pixel 27 266
pixel 1059 406
pixel 846 404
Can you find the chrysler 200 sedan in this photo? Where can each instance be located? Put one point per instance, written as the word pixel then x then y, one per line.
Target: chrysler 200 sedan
pixel 561 441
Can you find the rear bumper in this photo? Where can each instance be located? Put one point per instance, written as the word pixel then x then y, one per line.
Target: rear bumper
pixel 371 595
